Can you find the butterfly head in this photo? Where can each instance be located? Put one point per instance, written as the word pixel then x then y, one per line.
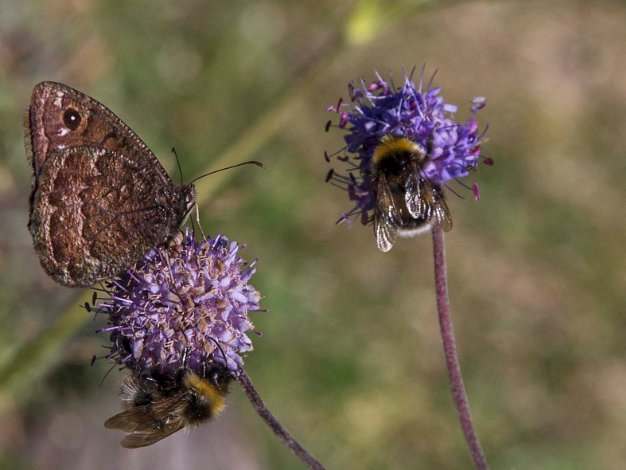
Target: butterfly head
pixel 187 201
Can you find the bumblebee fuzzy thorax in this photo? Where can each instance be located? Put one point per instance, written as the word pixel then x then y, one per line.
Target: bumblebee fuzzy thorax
pixel 392 147
pixel 407 203
pixel 207 396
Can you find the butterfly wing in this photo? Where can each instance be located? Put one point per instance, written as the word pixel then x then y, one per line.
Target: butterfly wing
pixel 132 205
pixel 61 117
pixel 96 213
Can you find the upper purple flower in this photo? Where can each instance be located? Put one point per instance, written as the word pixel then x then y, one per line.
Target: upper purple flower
pixel 183 305
pixel 381 109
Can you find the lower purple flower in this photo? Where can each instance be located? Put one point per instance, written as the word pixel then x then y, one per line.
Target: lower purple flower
pixel 184 305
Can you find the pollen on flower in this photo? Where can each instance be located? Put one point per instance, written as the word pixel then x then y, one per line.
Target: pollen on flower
pixel 186 302
pixel 413 111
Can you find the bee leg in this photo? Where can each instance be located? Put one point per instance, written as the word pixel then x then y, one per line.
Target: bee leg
pixel 183 364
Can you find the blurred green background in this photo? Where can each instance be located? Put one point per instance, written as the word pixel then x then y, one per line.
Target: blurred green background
pixel 350 358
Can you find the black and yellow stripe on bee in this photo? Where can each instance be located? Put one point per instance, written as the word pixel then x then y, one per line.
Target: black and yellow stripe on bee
pixel 395 147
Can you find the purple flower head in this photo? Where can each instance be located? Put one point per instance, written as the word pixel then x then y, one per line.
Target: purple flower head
pixel 183 305
pixel 380 110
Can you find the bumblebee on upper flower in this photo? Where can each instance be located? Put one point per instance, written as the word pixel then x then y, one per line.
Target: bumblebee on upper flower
pixel 402 146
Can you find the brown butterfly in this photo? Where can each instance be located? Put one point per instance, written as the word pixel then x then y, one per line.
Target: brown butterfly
pixel 100 198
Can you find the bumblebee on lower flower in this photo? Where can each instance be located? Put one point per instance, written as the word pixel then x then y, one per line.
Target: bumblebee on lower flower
pixel 178 321
pixel 157 407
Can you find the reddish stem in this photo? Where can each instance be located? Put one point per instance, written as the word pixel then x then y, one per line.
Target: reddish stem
pixel 449 347
pixel 274 424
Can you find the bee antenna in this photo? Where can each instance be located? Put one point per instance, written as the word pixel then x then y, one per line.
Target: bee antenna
pixel 249 162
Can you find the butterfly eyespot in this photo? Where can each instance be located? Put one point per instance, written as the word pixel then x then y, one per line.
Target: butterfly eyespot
pixel 71 118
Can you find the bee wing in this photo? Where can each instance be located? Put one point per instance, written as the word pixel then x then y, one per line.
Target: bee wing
pixel 414 195
pixel 385 216
pixel 425 201
pixel 385 232
pixel 147 438
pixel 434 205
pixel 385 203
pixel 124 421
pixel 442 214
pixel 147 424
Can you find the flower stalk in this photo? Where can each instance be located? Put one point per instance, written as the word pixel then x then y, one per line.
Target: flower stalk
pixel 278 429
pixel 452 359
pixel 403 147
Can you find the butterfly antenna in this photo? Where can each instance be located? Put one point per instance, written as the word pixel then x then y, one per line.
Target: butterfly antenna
pixel 249 162
pixel 180 170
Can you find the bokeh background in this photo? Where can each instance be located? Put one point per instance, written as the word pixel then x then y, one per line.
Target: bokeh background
pixel 350 358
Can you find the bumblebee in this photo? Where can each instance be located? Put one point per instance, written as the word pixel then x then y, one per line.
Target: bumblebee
pixel 158 406
pixel 407 203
